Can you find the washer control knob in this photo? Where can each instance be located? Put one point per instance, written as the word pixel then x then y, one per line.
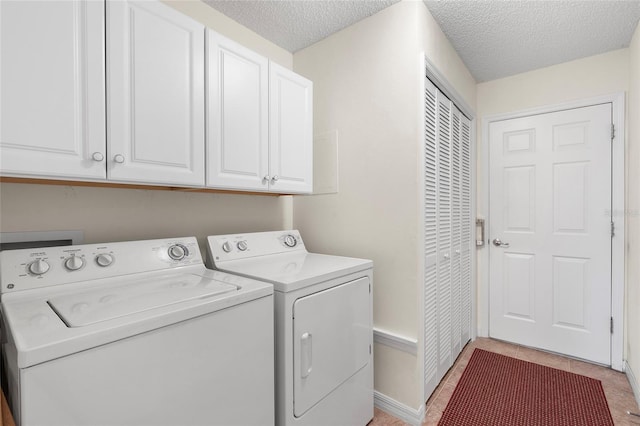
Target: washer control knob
pixel 104 259
pixel 74 263
pixel 290 241
pixel 226 247
pixel 242 245
pixel 178 252
pixel 39 267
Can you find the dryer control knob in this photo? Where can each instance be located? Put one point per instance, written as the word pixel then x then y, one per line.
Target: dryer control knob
pixel 242 245
pixel 178 252
pixel 290 241
pixel 74 263
pixel 39 267
pixel 104 259
pixel 226 247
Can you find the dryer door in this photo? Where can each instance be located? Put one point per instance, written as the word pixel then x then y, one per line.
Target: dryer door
pixel 332 337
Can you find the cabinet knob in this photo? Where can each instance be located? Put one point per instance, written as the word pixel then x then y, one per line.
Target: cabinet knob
pixel 97 156
pixel 266 178
pixel 119 158
pixel 274 179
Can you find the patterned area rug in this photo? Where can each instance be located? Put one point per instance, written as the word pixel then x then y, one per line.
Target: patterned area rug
pixel 499 390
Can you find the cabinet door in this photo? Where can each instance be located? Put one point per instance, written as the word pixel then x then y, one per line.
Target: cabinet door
pixel 290 131
pixel 237 116
pixel 155 94
pixel 52 89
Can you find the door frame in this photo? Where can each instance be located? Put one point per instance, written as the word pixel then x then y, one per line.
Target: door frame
pixel 617 101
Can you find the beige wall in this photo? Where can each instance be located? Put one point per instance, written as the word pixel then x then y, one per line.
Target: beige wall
pixel 366 87
pixel 114 214
pixel 108 214
pixel 231 29
pixel 633 209
pixel 583 78
pixel 598 75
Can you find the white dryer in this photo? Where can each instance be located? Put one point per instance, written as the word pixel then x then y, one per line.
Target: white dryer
pixel 134 333
pixel 323 325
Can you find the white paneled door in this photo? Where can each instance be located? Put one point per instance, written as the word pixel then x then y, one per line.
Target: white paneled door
pixel 551 230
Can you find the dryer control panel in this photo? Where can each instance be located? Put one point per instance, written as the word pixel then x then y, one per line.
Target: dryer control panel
pixel 35 268
pixel 242 246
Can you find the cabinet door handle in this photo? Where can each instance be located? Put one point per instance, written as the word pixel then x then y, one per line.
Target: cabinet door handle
pixel 119 158
pixel 274 179
pixel 266 178
pixel 97 156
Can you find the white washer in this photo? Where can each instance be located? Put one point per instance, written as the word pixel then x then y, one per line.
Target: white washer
pixel 324 333
pixel 134 333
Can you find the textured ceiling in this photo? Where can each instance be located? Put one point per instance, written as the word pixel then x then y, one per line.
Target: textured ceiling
pixel 294 25
pixel 501 38
pixel 494 38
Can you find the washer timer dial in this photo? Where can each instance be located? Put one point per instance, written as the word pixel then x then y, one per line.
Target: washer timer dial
pixel 39 267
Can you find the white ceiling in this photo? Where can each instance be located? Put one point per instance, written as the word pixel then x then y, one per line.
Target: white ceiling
pixel 296 24
pixel 494 38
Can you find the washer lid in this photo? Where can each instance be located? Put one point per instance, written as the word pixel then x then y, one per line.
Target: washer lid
pixel 106 303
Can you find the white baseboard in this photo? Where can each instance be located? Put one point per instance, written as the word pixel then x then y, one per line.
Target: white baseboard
pixel 398 409
pixel 402 343
pixel 633 381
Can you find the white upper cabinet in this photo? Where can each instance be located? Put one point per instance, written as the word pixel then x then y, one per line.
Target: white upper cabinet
pixel 290 131
pixel 52 89
pixel 259 122
pixel 115 91
pixel 237 126
pixel 155 85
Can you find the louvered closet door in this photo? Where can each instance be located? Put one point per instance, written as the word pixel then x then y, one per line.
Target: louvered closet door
pixel 444 230
pixel 456 232
pixel 430 236
pixel 465 235
pixel 447 235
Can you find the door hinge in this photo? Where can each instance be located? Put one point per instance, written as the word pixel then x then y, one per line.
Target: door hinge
pixel 613 131
pixel 613 229
pixel 611 327
pixel 369 349
pixel 369 287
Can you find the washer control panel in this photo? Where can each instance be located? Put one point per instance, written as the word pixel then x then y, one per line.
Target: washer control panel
pixel 34 268
pixel 221 248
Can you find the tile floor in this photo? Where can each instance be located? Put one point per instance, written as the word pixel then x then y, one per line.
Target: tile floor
pixel 616 386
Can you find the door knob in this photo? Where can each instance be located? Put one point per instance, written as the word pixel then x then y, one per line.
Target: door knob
pixel 119 158
pixel 498 243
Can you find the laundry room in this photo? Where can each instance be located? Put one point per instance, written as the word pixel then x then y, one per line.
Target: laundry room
pixel 358 186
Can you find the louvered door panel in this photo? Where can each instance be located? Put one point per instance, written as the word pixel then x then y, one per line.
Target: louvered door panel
pixel 465 256
pixel 431 378
pixel 447 235
pixel 455 233
pixel 444 233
